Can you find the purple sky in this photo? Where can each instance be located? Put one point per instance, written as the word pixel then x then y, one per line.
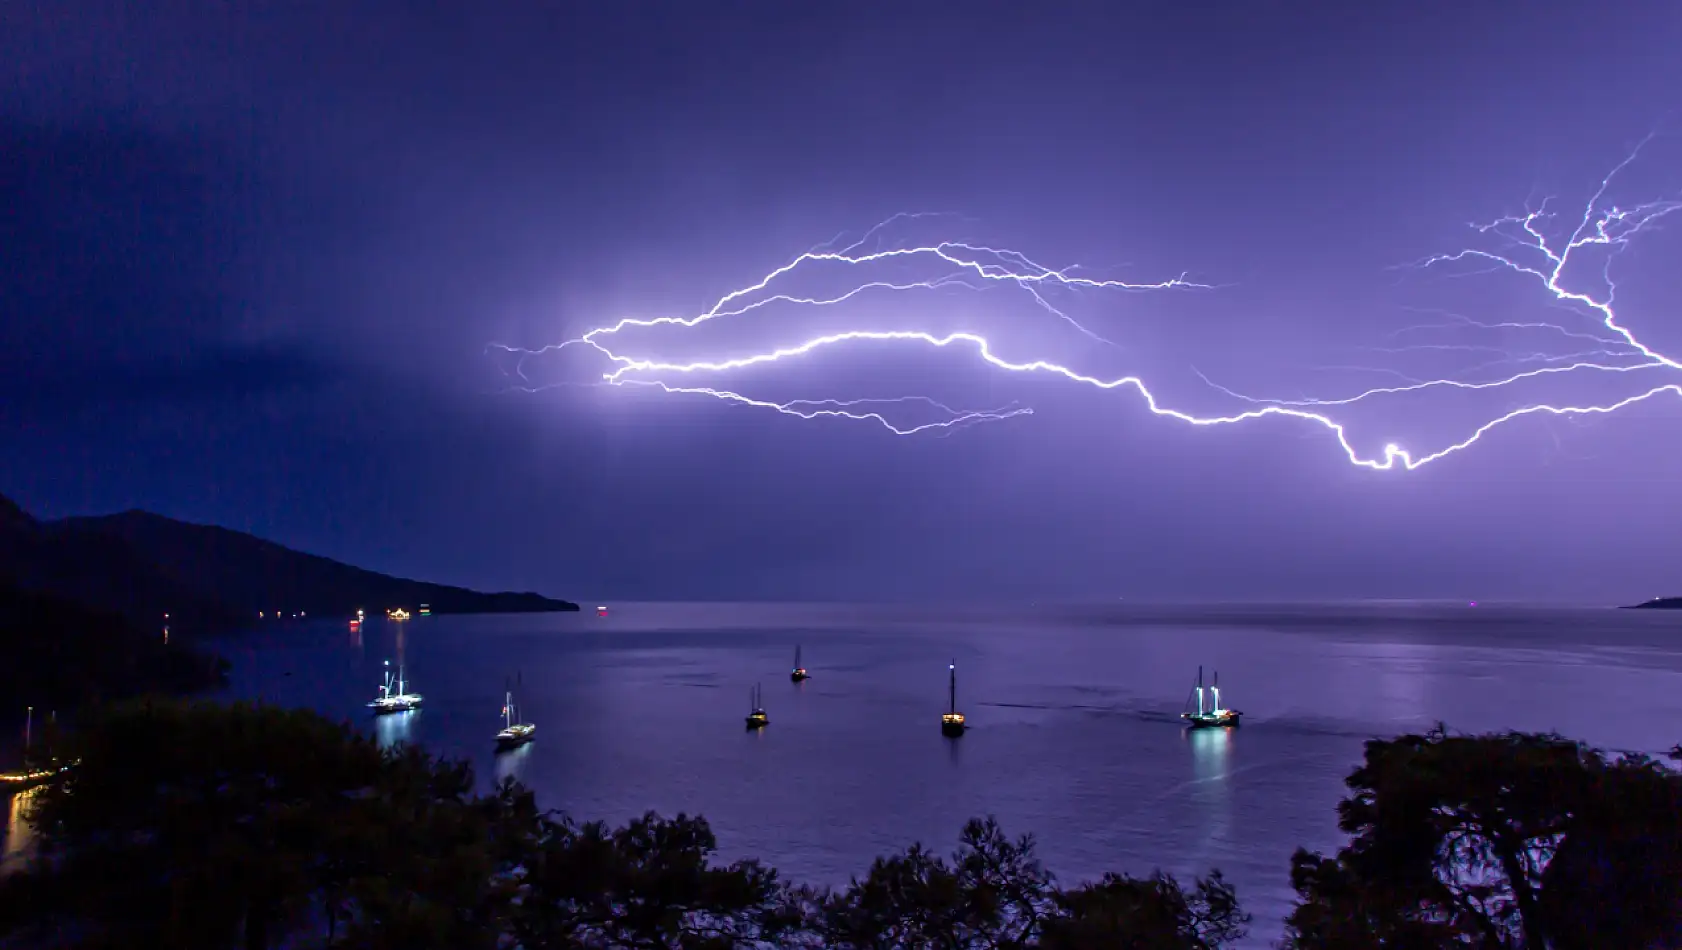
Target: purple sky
pixel 254 261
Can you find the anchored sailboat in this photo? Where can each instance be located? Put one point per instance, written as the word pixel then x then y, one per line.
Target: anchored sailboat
pixel 952 721
pixel 393 698
pixel 757 718
pixel 1213 715
pixel 799 672
pixel 513 733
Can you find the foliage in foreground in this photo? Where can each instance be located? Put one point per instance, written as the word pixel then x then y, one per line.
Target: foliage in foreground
pixel 200 826
pixel 1504 841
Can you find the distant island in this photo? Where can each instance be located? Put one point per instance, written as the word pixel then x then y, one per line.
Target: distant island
pixel 84 601
pixel 1657 603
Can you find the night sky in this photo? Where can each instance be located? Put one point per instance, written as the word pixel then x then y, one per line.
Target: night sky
pixel 255 261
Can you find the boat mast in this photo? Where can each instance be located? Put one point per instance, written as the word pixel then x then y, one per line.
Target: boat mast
pixel 1216 689
pixel 1200 691
pixel 952 686
pixel 508 709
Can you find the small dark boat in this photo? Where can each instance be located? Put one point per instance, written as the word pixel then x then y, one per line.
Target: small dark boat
pixel 799 672
pixel 513 733
pixel 1213 715
pixel 757 718
pixel 952 721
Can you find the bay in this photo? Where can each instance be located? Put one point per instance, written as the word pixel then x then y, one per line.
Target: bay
pixel 1074 737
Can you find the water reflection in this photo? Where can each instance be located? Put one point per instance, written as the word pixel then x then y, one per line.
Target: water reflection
pixel 393 728
pixel 20 835
pixel 512 762
pixel 1211 754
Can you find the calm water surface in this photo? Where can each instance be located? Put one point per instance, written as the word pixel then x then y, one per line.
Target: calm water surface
pixel 1074 715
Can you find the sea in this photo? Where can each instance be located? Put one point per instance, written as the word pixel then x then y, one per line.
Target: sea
pixel 1075 735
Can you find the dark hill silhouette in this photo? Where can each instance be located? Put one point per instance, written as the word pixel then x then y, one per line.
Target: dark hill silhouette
pixel 253 574
pixel 1657 603
pixel 104 573
pixel 13 518
pixel 141 566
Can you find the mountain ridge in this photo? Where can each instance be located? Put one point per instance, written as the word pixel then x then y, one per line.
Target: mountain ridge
pixel 211 579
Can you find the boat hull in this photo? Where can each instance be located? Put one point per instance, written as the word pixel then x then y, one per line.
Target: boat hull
pixel 512 739
pixel 758 722
pixel 386 709
pixel 952 725
pixel 798 675
pixel 1227 719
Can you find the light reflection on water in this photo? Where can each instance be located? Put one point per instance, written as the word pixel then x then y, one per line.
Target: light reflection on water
pixel 1211 757
pixel 512 762
pixel 20 837
pixel 393 728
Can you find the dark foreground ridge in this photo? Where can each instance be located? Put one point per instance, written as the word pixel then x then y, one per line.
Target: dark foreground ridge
pixel 1657 603
pixel 60 655
pixel 209 579
pixel 253 826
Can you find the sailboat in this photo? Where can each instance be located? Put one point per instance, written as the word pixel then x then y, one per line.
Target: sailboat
pixel 757 718
pixel 1214 715
pixel 799 672
pixel 392 696
pixel 34 771
pixel 513 733
pixel 952 721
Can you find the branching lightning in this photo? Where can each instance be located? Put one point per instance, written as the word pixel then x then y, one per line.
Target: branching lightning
pixel 1607 347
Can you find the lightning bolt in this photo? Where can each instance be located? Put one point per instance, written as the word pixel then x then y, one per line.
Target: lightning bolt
pixel 1605 346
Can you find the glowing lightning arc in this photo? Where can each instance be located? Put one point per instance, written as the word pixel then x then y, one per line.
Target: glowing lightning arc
pixel 1618 350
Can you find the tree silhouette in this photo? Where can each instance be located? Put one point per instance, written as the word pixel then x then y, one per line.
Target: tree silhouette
pixel 203 826
pixel 1154 913
pixel 1494 842
pixel 648 884
pixel 995 894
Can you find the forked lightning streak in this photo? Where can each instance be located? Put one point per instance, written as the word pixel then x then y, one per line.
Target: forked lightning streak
pixel 1612 348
